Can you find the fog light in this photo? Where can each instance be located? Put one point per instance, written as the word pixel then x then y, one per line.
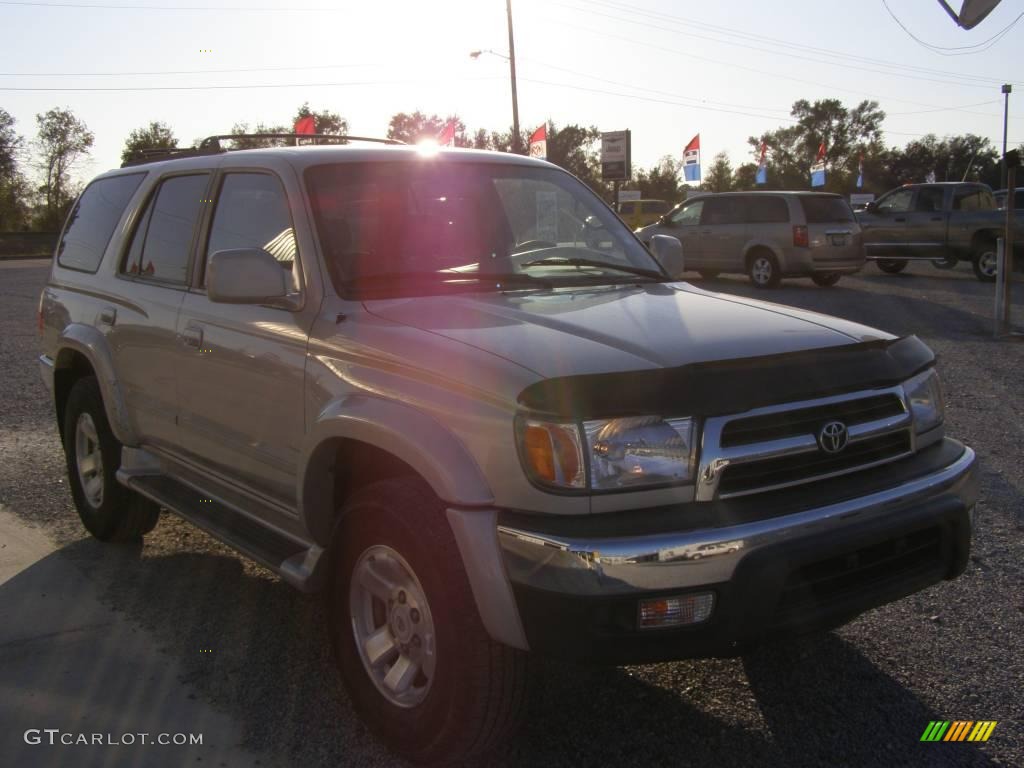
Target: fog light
pixel 675 611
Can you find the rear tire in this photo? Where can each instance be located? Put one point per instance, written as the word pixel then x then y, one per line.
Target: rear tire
pixel 763 270
pixel 891 266
pixel 108 510
pixel 947 263
pixel 467 692
pixel 825 279
pixel 984 262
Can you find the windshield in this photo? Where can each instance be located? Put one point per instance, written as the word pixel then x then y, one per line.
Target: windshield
pixel 427 227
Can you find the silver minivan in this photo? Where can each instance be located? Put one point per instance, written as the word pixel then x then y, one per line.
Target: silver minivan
pixel 766 235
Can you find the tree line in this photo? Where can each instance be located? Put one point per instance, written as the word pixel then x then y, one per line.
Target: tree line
pixel 37 186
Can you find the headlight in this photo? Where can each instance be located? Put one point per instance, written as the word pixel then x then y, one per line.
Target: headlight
pixel 924 396
pixel 610 454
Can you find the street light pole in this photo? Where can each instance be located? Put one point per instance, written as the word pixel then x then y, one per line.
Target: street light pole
pixel 1007 89
pixel 515 100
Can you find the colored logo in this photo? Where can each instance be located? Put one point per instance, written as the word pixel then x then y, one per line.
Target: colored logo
pixel 959 730
pixel 833 437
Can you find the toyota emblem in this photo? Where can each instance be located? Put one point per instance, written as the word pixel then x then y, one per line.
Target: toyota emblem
pixel 833 437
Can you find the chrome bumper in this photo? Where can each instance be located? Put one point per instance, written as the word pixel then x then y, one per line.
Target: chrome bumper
pixel 625 566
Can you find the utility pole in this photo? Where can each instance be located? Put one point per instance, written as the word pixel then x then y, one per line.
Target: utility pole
pixel 515 99
pixel 1007 89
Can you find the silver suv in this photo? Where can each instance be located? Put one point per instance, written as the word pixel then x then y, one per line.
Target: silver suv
pixel 454 393
pixel 766 235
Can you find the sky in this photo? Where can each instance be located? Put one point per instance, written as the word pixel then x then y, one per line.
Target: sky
pixel 664 70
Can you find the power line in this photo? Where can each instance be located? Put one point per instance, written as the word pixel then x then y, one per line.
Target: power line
pixel 802 47
pixel 178 72
pixel 237 87
pixel 951 50
pixel 747 46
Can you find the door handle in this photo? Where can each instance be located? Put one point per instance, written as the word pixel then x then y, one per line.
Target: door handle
pixel 192 337
pixel 108 316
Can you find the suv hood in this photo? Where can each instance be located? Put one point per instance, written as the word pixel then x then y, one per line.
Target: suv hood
pixel 610 329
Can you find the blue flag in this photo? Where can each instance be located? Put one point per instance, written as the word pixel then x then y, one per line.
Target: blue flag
pixel 818 169
pixel 762 167
pixel 860 172
pixel 691 160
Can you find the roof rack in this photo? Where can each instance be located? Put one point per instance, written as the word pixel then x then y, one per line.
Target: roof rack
pixel 213 142
pixel 211 145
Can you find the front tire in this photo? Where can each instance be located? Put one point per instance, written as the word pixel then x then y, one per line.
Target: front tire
pixel 947 263
pixel 763 270
pixel 412 651
pixel 108 510
pixel 825 279
pixel 891 266
pixel 984 262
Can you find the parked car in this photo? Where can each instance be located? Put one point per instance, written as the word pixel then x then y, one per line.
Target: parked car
pixel 640 213
pixel 943 223
pixel 482 428
pixel 766 235
pixel 1018 198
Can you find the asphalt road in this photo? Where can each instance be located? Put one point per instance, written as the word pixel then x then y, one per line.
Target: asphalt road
pixel 862 695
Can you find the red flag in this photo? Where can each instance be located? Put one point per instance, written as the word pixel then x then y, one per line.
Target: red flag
pixel 764 152
pixel 821 152
pixel 694 144
pixel 447 136
pixel 305 125
pixel 539 142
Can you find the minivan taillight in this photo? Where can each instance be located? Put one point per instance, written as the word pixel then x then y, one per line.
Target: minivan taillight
pixel 800 236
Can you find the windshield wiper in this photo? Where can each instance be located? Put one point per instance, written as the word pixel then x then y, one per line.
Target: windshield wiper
pixel 578 262
pixel 451 278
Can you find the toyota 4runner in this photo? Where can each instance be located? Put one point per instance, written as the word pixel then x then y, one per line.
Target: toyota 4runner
pixel 451 390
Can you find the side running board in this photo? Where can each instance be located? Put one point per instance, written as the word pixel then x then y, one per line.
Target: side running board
pixel 293 560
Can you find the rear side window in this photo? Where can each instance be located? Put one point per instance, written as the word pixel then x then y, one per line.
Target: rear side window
pixel 767 210
pixel 826 210
pixel 929 199
pixel 973 199
pixel 722 210
pixel 627 209
pixel 93 219
pixel 252 212
pixel 162 242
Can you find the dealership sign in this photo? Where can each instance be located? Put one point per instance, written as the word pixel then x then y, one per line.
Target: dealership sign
pixel 615 156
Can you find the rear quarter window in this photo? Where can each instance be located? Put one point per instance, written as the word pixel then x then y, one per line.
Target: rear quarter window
pixel 826 210
pixel 92 221
pixel 767 210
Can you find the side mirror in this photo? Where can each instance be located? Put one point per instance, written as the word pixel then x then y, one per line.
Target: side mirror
pixel 669 253
pixel 246 276
pixel 871 206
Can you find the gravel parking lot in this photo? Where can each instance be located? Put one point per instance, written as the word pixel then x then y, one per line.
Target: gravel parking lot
pixel 858 696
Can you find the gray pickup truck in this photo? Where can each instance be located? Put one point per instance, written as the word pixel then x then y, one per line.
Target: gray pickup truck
pixel 943 223
pixel 453 393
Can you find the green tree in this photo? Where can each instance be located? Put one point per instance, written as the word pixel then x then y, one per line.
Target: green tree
pixel 660 181
pixel 416 126
pixel 967 157
pixel 719 175
pixel 15 191
pixel 156 135
pixel 63 140
pixel 249 142
pixel 846 133
pixel 574 148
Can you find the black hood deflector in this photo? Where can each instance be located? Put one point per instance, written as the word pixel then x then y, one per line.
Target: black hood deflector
pixel 731 386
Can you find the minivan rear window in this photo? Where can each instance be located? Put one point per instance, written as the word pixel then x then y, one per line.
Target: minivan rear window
pixel 91 222
pixel 826 210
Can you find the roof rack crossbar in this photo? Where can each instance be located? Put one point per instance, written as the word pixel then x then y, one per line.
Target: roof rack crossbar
pixel 213 142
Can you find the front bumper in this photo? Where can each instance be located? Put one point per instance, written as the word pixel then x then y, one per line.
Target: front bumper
pixel 789 572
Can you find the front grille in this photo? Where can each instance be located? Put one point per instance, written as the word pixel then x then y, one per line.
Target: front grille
pixel 820 584
pixel 804 467
pixel 803 421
